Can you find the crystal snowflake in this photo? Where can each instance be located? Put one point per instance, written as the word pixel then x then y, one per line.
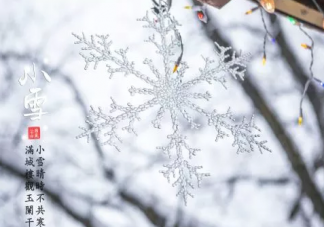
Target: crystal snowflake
pixel 172 94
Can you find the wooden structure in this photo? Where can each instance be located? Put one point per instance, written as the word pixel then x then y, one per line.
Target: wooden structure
pixel 215 3
pixel 302 10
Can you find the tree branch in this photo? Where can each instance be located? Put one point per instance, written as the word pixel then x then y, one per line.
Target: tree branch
pixel 53 196
pixel 290 149
pixel 150 211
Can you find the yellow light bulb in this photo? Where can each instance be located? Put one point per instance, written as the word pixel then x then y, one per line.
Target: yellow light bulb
pixel 264 60
pixel 188 7
pixel 175 68
pixel 305 46
pixel 300 121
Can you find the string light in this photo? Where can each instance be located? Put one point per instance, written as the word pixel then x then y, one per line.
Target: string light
pixel 293 21
pixel 305 46
pixel 268 5
pixel 252 10
pixel 270 8
pixel 300 118
pixel 175 68
pixel 273 39
pixel 201 12
pixel 200 15
pixel 321 83
pixel 177 63
pixel 311 78
pixel 264 59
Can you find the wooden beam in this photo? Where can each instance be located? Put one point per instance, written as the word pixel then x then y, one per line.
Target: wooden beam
pixel 215 3
pixel 300 12
pixel 310 3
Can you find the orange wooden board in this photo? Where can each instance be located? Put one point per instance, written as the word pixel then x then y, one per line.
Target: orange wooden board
pixel 300 11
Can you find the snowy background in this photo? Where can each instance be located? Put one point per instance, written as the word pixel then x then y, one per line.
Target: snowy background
pixel 89 185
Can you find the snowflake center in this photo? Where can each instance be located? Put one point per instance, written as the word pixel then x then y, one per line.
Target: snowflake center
pixel 170 94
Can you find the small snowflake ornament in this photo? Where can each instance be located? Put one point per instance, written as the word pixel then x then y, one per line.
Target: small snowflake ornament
pixel 172 94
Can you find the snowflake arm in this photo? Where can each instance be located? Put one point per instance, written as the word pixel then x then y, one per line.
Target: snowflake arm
pixel 205 96
pixel 157 121
pixel 195 107
pixel 99 122
pixel 142 91
pixel 234 65
pixel 165 49
pixel 180 167
pixel 189 119
pixel 244 137
pixel 153 68
pixel 206 75
pixel 220 123
pixel 243 134
pixel 100 51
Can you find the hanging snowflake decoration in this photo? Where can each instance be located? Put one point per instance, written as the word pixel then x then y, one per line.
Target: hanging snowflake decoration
pixel 172 95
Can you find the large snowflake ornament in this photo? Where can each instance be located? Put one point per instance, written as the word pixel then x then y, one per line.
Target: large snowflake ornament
pixel 172 95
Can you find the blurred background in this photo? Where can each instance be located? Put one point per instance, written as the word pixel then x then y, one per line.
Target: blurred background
pixel 89 185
